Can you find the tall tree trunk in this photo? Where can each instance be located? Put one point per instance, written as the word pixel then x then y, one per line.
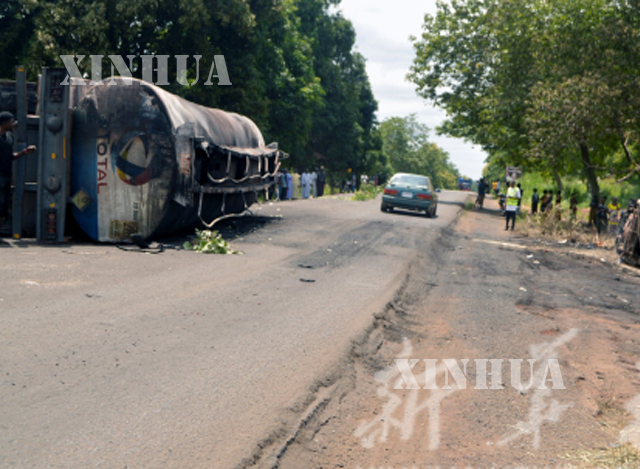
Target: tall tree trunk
pixel 592 180
pixel 556 176
pixel 590 172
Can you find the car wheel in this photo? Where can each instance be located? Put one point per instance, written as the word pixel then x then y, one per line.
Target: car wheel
pixel 435 209
pixel 428 213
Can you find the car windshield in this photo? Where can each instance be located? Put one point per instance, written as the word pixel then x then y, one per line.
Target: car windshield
pixel 411 180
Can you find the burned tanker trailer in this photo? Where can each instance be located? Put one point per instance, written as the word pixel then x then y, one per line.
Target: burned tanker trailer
pixel 147 162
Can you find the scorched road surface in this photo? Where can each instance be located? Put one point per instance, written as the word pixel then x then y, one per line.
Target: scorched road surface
pixel 479 294
pixel 114 359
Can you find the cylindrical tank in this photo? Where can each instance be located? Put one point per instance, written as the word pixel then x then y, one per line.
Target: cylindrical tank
pixel 147 162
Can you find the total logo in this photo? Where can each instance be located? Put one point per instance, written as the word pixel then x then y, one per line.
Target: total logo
pixel 130 159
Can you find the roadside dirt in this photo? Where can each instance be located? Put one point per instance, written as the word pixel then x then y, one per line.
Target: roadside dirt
pixel 483 293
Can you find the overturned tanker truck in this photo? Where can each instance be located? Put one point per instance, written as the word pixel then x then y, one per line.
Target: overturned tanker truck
pixel 147 162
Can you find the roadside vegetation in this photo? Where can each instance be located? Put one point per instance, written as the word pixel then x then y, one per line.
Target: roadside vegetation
pixel 406 148
pixel 571 231
pixel 209 242
pixel 624 456
pixel 570 186
pixel 292 64
pixel 367 192
pixel 551 87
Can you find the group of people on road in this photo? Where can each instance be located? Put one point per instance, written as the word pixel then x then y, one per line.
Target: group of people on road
pixel 350 183
pixel 545 204
pixel 605 217
pixel 300 185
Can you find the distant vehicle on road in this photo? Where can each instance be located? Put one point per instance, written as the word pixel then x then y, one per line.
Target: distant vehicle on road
pixel 464 184
pixel 410 192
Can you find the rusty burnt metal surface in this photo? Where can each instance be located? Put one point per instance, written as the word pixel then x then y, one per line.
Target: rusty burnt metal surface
pixel 145 161
pixel 628 244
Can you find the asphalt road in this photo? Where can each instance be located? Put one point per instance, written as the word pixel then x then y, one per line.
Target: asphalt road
pixel 122 359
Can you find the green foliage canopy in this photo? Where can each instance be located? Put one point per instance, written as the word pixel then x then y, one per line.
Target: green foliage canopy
pixel 291 62
pixel 553 86
pixel 406 144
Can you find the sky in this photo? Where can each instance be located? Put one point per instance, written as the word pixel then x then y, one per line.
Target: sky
pixel 382 29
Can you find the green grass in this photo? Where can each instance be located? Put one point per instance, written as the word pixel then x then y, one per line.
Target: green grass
pixel 573 186
pixel 469 204
pixel 209 242
pixel 367 192
pixel 620 457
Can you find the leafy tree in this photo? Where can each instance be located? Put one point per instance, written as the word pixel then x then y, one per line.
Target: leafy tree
pixel 17 25
pixel 550 85
pixel 342 134
pixel 405 142
pixel 291 62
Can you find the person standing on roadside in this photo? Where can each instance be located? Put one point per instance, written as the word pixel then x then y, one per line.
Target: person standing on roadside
pixel 549 207
pixel 314 183
pixel 520 193
pixel 481 193
pixel 602 216
pixel 321 181
pixel 289 186
pixel 7 124
pixel 614 215
pixel 558 210
pixel 573 206
pixel 544 201
pixel 535 200
pixel 305 182
pixel 295 185
pixel 512 205
pixel 283 185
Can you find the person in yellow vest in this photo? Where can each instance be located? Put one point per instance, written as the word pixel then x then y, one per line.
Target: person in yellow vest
pixel 614 215
pixel 513 197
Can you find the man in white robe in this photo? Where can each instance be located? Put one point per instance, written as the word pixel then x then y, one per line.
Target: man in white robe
pixel 305 181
